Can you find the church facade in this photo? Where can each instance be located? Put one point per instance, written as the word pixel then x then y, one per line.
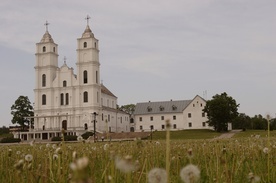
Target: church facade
pixel 73 102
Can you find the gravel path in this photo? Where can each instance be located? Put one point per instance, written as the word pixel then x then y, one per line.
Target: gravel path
pixel 228 134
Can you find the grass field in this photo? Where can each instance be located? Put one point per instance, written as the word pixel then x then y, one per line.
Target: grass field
pixel 249 159
pixel 186 134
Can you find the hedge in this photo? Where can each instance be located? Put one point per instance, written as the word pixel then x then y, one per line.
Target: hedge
pixel 10 140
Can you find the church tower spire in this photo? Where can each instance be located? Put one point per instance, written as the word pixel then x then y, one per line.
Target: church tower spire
pixel 45 67
pixel 88 66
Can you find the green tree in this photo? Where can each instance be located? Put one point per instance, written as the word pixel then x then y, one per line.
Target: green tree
pixel 20 110
pixel 242 121
pixel 258 122
pixel 129 108
pixel 221 110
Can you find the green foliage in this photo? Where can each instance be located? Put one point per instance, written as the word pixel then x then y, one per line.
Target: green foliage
pixel 86 135
pixel 4 130
pixel 129 108
pixel 21 109
pixel 258 122
pixel 10 140
pixel 56 139
pixel 66 138
pixel 242 121
pixel 221 110
pixel 70 138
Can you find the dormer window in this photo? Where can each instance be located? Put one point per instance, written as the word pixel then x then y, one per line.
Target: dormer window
pixel 149 109
pixel 85 44
pixel 44 49
pixel 161 108
pixel 174 107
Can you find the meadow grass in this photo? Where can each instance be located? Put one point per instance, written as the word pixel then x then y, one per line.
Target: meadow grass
pixel 250 133
pixel 220 160
pixel 186 134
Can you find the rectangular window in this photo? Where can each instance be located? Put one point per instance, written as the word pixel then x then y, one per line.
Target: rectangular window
pixel 67 99
pixel 140 119
pixel 141 127
pixel 190 124
pixel 162 117
pixel 189 115
pixel 174 126
pixel 174 117
pixel 163 127
pixel 43 99
pixel 203 124
pixel 151 127
pixel 203 114
pixel 151 118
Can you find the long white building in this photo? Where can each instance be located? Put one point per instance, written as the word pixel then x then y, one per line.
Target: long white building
pixel 183 114
pixel 64 100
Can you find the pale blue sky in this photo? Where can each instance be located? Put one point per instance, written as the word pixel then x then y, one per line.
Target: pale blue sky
pixel 150 50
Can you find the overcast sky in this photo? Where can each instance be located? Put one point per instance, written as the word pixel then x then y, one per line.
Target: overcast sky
pixel 150 50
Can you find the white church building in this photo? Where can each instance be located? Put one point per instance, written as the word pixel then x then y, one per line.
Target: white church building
pixel 73 102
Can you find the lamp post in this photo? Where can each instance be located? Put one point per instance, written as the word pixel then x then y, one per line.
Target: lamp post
pixel 95 114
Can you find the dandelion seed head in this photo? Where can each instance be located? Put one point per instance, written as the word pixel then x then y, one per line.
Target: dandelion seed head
pixel 157 175
pixel 105 147
pixel 28 157
pixel 79 138
pixel 74 155
pixel 126 164
pixel 252 178
pixel 265 150
pixel 190 173
pixel 55 157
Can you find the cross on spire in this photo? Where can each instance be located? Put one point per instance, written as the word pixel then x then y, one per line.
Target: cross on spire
pixel 64 59
pixel 87 19
pixel 46 25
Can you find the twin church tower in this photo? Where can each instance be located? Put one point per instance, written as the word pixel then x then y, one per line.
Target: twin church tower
pixel 64 100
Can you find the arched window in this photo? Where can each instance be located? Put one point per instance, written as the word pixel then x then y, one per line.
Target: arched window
pixel 96 76
pixel 54 49
pixel 95 44
pixel 43 80
pixel 43 99
pixel 85 96
pixel 85 44
pixel 61 99
pixel 85 79
pixel 44 49
pixel 64 83
pixel 67 99
pixel 85 126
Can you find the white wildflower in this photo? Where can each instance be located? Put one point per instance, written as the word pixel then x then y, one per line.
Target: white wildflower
pixel 74 155
pixel 157 175
pixel 190 173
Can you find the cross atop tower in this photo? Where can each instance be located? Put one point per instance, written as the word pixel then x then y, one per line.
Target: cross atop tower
pixel 46 25
pixel 87 19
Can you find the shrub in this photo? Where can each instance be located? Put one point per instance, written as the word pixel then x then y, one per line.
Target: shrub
pixel 86 135
pixel 56 139
pixel 10 140
pixel 66 138
pixel 70 138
